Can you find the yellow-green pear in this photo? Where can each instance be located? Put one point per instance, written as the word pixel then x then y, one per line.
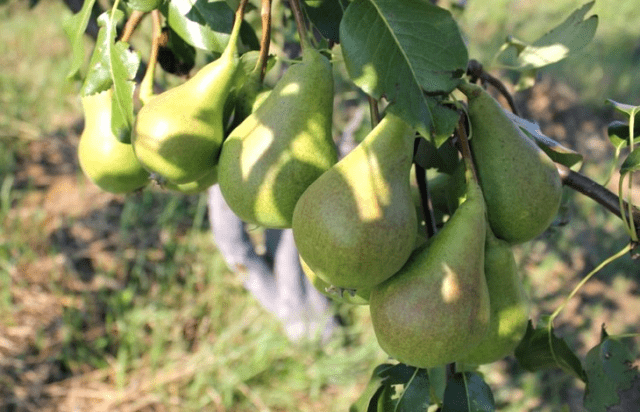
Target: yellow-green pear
pixel 355 226
pixel 436 308
pixel 178 134
pixel 509 304
pixel 270 159
pixel 197 186
pixel 358 297
pixel 105 160
pixel 521 184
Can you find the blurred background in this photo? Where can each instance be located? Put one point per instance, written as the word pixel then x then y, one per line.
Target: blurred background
pixel 122 303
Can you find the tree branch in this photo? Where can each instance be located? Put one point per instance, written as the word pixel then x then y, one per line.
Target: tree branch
pixel 597 192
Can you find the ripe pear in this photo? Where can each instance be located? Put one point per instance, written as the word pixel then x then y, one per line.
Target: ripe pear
pixel 105 160
pixel 178 133
pixel 355 226
pixel 197 186
pixel 359 297
pixel 508 301
pixel 270 159
pixel 436 308
pixel 520 182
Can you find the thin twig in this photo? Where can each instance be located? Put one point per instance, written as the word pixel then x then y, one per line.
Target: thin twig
pixel 475 71
pixel 597 192
pixel 131 24
pixel 265 40
pixel 425 199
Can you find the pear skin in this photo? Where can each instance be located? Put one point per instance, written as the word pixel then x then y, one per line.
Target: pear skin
pixel 360 297
pixel 105 160
pixel 270 159
pixel 178 134
pixel 509 304
pixel 521 184
pixel 436 308
pixel 355 226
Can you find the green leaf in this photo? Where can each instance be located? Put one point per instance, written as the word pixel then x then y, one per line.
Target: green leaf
pixel 628 109
pixel 205 25
pixel 398 49
pixel 619 132
pixel 74 27
pixel 469 393
pixel 613 384
pixel 570 36
pixel 113 65
pixel 326 16
pixel 371 391
pixel 534 352
pixel 631 163
pixel 557 152
pixel 444 159
pixel 124 64
pixel 406 389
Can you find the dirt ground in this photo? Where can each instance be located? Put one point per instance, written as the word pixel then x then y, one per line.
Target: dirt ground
pixel 64 213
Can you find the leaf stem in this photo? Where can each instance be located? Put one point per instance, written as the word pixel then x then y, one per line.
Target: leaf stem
pixel 461 133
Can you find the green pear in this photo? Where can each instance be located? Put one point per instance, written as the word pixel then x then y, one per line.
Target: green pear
pixel 105 160
pixel 355 226
pixel 270 159
pixel 197 186
pixel 436 308
pixel 508 301
pixel 520 182
pixel 178 133
pixel 359 297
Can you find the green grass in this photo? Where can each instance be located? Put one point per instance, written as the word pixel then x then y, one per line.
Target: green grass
pixel 165 322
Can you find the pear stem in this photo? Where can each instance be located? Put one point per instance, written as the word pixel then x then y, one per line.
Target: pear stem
pixel 373 111
pixel 425 198
pixel 146 85
pixel 232 46
pixel 464 147
pixel 300 23
pixel 131 24
pixel 265 41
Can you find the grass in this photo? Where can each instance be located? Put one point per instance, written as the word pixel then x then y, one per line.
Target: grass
pixel 152 318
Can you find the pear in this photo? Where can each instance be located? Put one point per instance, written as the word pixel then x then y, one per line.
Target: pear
pixel 197 186
pixel 521 184
pixel 270 159
pixel 508 301
pixel 436 308
pixel 359 297
pixel 105 160
pixel 355 226
pixel 178 134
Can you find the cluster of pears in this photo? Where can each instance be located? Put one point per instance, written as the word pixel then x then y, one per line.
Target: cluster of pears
pixel 458 296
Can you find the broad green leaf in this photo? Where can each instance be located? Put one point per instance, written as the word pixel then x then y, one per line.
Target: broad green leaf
pixel 444 159
pixel 326 15
pixel 534 352
pixel 398 49
pixel 74 27
pixel 113 65
pixel 371 391
pixel 613 384
pixel 627 109
pixel 205 25
pixel 406 389
pixel 184 53
pixel 557 152
pixel 98 77
pixel 570 36
pixel 445 120
pixel 124 65
pixel 437 382
pixel 631 163
pixel 619 132
pixel 467 392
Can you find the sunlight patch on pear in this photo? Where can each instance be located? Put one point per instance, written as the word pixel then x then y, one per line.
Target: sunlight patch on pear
pixel 450 285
